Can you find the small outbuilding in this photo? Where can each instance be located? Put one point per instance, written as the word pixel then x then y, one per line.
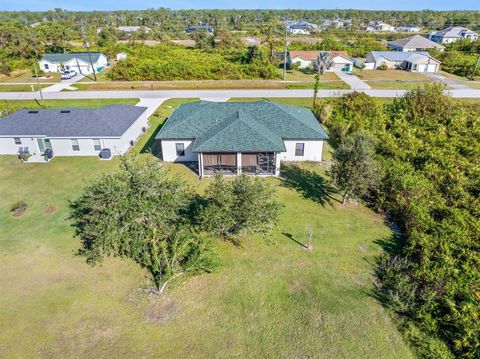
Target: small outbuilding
pixel 121 56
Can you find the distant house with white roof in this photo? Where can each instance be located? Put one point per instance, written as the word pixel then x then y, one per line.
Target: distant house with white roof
pixel 131 29
pixel 300 27
pixel 407 61
pixel 452 34
pixel 414 43
pixel 337 60
pixel 77 61
pixel 408 28
pixel 380 26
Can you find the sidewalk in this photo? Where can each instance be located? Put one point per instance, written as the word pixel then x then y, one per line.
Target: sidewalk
pixel 353 81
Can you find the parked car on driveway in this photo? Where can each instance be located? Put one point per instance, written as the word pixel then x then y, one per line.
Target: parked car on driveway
pixel 68 74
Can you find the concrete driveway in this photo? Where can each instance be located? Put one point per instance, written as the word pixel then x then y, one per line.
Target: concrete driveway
pixel 352 80
pixel 446 81
pixel 64 84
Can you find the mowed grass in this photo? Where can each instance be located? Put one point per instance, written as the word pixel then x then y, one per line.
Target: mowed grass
pixel 267 299
pixel 91 103
pixel 26 76
pixel 20 88
pixel 392 79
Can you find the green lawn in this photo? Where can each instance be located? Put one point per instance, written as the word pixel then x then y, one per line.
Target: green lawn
pixel 26 76
pixel 71 103
pixel 395 85
pixel 267 299
pixel 20 88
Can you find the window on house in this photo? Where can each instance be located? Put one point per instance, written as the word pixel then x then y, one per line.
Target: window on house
pixel 299 149
pixel 180 147
pixel 17 140
pixel 97 146
pixel 46 67
pixel 75 145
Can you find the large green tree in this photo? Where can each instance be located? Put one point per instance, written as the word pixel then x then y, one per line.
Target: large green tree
pixel 141 212
pixel 354 171
pixel 241 205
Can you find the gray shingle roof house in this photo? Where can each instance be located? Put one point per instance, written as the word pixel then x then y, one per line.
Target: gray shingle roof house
pixel 109 121
pixel 72 131
pixel 219 135
pixel 452 34
pixel 414 43
pixel 408 61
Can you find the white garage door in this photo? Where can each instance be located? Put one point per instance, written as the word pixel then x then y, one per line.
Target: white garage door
pixel 432 68
pixel 422 68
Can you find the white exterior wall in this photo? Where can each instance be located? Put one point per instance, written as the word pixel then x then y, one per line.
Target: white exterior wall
pixel 133 133
pixel 63 146
pixel 313 150
pixel 169 151
pixel 60 146
pixel 299 32
pixel 303 63
pixel 8 146
pixel 52 67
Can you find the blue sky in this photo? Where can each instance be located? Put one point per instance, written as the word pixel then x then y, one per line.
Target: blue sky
pixel 244 4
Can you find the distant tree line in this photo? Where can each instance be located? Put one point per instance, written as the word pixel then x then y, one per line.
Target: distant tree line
pixel 177 20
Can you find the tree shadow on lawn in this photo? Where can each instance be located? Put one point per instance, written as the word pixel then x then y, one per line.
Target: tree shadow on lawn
pixel 309 183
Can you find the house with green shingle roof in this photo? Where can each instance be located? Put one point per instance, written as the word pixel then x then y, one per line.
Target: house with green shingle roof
pixel 241 137
pixel 77 61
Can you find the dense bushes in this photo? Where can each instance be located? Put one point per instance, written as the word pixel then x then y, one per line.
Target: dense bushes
pixel 170 62
pixel 458 63
pixel 428 147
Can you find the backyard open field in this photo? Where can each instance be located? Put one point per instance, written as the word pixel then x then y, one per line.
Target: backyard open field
pixel 267 299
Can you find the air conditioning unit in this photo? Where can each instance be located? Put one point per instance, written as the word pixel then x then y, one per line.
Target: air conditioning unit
pixel 105 154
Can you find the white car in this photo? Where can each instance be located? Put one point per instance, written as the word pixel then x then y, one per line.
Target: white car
pixel 68 74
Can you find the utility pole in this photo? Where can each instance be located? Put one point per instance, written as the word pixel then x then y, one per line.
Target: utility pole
pixel 475 69
pixel 87 45
pixel 285 54
pixel 34 39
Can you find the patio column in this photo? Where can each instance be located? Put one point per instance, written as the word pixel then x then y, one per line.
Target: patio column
pixel 277 164
pixel 200 164
pixel 239 163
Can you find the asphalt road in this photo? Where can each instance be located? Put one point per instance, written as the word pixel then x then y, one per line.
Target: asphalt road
pixel 214 95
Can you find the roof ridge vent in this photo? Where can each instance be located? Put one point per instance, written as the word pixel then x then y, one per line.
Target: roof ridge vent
pixel 33 111
pixel 65 111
